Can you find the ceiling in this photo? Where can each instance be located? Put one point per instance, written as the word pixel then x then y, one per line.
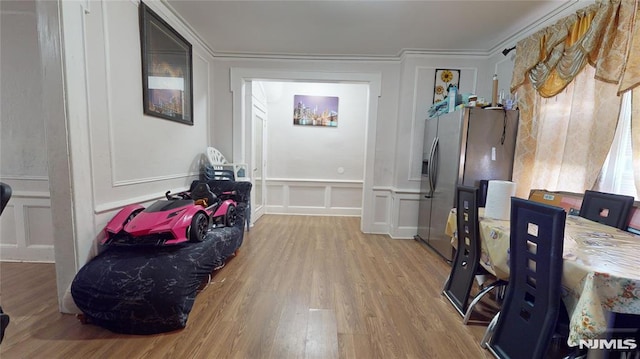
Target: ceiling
pixel 370 28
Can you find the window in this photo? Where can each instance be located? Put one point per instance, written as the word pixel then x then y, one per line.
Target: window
pixel 617 172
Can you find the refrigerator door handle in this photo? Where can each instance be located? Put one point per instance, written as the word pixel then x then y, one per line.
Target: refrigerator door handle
pixel 430 168
pixel 434 162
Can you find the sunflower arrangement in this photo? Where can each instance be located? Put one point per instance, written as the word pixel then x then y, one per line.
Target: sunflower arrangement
pixel 444 79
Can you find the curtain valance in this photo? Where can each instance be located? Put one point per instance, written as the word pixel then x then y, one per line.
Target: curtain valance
pixel 599 35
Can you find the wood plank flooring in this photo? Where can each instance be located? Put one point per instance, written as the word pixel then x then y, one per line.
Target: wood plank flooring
pixel 300 287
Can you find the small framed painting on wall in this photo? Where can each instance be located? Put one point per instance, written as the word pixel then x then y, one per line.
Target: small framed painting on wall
pixel 444 79
pixel 315 111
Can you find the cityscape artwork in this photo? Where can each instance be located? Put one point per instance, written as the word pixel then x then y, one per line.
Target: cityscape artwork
pixel 315 110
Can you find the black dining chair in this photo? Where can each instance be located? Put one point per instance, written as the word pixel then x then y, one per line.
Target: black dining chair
pixel 532 304
pixel 466 263
pixel 483 188
pixel 607 208
pixel 5 195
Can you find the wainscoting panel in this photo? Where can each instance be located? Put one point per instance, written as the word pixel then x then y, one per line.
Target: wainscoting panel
pixel 346 197
pixel 314 197
pixel 382 202
pixel 8 231
pixel 396 212
pixel 275 196
pixel 27 229
pixel 404 224
pixel 306 196
pixel 38 226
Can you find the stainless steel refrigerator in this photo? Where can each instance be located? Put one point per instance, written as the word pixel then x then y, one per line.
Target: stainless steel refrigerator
pixel 461 147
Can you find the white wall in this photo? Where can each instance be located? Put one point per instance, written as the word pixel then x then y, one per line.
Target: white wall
pixel 25 226
pixel 133 154
pixel 309 152
pixel 316 170
pixel 223 110
pixel 121 156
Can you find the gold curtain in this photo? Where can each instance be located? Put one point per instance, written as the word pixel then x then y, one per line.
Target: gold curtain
pixel 635 134
pixel 562 142
pixel 545 64
pixel 598 34
pixel 630 81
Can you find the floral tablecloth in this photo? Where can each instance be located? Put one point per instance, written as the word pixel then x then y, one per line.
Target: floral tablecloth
pixel 601 269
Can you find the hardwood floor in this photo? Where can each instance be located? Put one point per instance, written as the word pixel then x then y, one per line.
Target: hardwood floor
pixel 300 287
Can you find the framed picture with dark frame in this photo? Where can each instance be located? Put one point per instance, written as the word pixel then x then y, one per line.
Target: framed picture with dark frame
pixel 167 74
pixel 445 78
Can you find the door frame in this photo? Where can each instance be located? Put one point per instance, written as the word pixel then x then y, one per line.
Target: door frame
pixel 242 121
pixel 257 211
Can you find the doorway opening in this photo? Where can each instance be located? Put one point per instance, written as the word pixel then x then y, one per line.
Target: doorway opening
pixel 306 169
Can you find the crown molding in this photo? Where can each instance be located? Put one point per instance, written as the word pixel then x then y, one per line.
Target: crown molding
pixel 561 11
pixel 509 40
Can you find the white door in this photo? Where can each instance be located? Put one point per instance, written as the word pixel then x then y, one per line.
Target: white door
pixel 258 171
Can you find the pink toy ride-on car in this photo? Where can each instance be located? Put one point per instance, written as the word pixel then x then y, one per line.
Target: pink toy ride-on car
pixel 180 218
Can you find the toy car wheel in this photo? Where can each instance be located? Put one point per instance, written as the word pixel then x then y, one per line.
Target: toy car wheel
pixel 199 227
pixel 231 216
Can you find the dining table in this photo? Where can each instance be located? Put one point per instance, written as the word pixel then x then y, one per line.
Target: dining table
pixel 600 274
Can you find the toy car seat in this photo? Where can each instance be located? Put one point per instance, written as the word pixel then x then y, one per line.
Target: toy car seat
pixel 202 192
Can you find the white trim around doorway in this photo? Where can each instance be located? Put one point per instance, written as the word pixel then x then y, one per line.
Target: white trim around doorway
pixel 242 147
